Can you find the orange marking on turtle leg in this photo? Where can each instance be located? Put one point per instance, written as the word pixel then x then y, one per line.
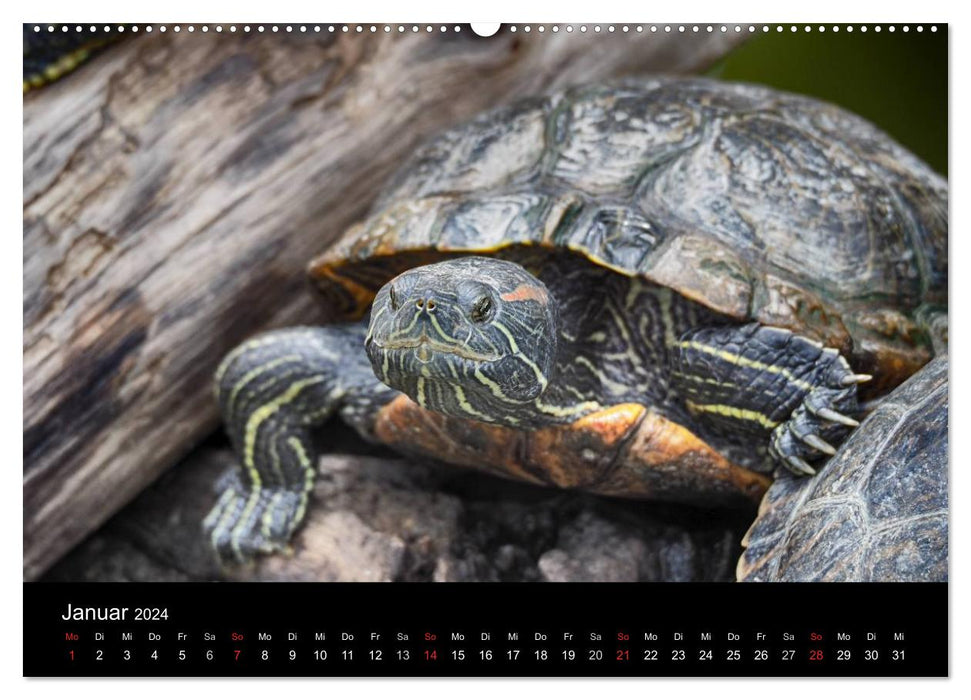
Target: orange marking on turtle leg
pixel 412 429
pixel 665 460
pixel 625 450
pixel 526 292
pixel 579 454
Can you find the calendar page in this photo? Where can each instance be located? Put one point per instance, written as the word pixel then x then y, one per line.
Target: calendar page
pixel 547 349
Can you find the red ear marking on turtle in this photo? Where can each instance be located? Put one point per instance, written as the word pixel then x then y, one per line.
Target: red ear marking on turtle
pixel 526 292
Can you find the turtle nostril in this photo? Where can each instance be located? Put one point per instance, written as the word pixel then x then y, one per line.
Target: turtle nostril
pixel 431 305
pixel 420 303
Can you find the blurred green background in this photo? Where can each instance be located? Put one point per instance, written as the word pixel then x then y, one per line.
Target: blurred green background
pixel 896 80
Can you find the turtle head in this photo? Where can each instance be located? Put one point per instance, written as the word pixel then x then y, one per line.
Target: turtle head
pixel 472 337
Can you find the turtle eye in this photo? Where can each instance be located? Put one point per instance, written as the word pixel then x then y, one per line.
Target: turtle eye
pixel 481 309
pixel 393 299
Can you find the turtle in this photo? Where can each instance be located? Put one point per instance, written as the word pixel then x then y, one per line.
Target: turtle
pixel 878 512
pixel 664 289
pixel 52 51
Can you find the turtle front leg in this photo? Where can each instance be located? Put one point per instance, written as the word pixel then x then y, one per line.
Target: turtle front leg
pixel 273 390
pixel 764 380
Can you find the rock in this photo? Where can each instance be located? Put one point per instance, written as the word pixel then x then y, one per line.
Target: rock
pixel 378 517
pixel 337 546
pixel 592 548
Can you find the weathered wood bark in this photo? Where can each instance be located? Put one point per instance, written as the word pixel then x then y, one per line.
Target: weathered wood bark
pixel 174 190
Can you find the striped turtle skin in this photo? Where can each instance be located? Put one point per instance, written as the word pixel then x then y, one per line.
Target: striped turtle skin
pixel 58 49
pixel 661 289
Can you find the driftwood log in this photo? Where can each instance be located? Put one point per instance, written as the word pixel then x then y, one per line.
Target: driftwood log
pixel 175 188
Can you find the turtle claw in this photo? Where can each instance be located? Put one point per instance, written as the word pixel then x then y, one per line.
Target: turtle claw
pixel 851 379
pixel 799 466
pixel 834 417
pixel 819 423
pixel 818 443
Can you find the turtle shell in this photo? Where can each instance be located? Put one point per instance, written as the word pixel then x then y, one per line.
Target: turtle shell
pixel 759 204
pixel 878 512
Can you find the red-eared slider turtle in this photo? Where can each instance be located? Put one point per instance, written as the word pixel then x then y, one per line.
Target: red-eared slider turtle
pixel 879 510
pixel 650 289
